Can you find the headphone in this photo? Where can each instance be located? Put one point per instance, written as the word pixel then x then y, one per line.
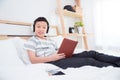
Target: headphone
pixel 41 19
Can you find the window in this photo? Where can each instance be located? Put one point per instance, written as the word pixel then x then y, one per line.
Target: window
pixel 107 23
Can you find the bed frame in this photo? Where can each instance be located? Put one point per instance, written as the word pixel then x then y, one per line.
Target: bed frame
pixel 23 24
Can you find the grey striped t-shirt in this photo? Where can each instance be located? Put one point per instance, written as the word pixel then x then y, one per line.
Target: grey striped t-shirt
pixel 41 47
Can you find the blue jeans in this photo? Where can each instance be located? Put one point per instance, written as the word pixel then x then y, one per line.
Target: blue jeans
pixel 92 58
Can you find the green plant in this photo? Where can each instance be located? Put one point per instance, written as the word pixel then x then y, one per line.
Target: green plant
pixel 79 24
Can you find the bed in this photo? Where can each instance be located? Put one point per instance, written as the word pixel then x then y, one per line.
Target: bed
pixel 15 64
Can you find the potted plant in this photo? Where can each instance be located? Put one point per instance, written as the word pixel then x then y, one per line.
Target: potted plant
pixel 78 26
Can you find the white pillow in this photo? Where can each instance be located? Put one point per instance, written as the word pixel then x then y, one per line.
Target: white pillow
pixel 8 53
pixel 58 40
pixel 22 53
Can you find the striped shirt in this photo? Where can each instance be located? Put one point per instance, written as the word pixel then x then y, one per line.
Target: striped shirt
pixel 41 47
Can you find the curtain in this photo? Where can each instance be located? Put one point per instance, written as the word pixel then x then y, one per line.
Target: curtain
pixel 107 23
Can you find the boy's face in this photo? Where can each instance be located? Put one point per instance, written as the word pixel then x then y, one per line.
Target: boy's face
pixel 40 28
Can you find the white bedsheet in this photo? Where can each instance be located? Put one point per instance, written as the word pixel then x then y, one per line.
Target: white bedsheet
pixel 91 73
pixel 35 72
pixel 38 72
pixel 22 73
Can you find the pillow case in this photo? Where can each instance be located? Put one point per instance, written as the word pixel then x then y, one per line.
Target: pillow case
pixel 22 53
pixel 8 53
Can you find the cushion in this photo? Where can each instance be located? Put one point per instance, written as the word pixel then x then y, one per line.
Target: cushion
pixel 8 53
pixel 22 53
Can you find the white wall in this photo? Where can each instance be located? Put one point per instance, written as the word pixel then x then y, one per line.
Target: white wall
pixel 107 30
pixel 88 15
pixel 28 10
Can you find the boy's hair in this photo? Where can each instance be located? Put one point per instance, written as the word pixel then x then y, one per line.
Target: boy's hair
pixel 41 19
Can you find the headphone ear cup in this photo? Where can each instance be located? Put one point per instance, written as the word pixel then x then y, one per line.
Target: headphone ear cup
pixel 47 29
pixel 32 28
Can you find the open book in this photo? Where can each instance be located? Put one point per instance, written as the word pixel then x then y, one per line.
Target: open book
pixel 67 47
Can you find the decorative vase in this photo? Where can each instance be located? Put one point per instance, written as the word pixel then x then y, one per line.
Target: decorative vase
pixel 79 30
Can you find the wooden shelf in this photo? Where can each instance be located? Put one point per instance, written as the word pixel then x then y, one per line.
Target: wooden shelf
pixel 15 23
pixel 70 14
pixel 78 14
pixel 76 34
